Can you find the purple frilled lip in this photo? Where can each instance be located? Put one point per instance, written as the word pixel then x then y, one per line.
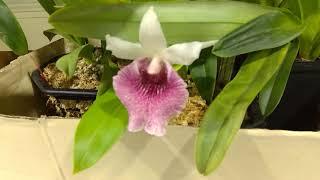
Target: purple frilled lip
pixel 151 99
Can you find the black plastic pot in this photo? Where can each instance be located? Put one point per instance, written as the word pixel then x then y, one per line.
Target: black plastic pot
pixel 299 108
pixel 60 93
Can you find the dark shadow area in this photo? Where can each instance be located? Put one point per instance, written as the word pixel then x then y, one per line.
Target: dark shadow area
pixel 31 106
pixel 299 108
pixel 6 57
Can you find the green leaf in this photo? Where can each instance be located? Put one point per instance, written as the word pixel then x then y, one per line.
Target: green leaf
pixel 309 42
pixel 309 12
pixel 262 2
pixel 11 32
pixel 51 33
pixel 274 3
pixel 277 3
pixel 271 94
pixel 224 116
pixel 77 40
pixel 226 68
pixel 204 74
pixel 177 67
pixel 68 63
pixel 302 8
pixel 267 31
pixel 183 71
pixel 59 2
pixel 181 21
pixel 72 2
pixel 48 5
pixel 68 1
pixel 100 127
pixel 107 74
pixel 315 51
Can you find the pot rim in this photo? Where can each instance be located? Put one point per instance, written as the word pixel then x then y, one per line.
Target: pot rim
pixel 61 93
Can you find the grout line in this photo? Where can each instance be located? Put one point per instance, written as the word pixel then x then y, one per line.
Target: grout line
pixel 176 152
pixel 42 122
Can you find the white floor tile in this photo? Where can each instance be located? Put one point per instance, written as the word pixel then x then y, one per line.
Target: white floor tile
pixel 24 154
pixel 255 154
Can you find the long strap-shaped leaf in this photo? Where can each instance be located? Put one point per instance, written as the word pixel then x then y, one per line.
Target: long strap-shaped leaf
pixel 266 31
pixel 51 33
pixel 302 8
pixel 100 127
pixel 274 3
pixel 309 12
pixel 10 31
pixel 48 5
pixel 271 94
pixel 224 116
pixel 181 21
pixel 309 40
pixel 315 49
pixel 204 74
pixel 72 2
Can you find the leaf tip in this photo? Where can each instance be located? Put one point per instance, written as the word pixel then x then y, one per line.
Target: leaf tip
pixel 75 171
pixel 77 168
pixel 203 170
pixel 200 170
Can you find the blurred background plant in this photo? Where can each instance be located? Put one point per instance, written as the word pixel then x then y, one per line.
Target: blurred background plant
pixel 11 32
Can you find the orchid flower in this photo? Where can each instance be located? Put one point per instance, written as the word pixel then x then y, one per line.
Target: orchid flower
pixel 149 87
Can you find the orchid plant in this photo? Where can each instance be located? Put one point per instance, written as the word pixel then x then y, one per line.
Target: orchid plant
pixel 309 39
pixel 145 94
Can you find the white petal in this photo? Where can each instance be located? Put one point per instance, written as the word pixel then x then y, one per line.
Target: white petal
pixel 124 49
pixel 155 66
pixel 151 36
pixel 185 53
